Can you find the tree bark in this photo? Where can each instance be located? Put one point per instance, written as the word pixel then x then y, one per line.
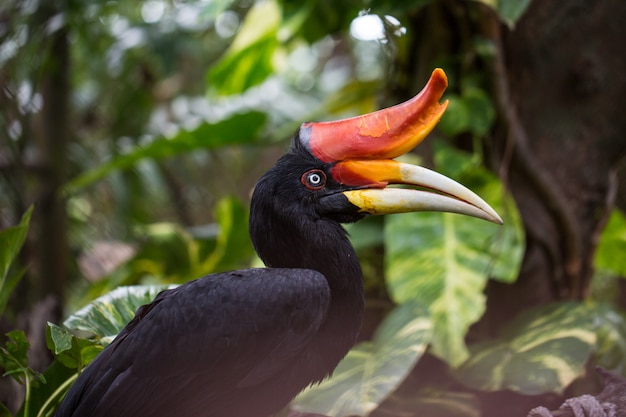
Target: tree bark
pixel 54 139
pixel 558 81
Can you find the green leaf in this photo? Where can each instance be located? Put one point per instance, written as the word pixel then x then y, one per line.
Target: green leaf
pixel 611 331
pixel 72 351
pixel 473 112
pixel 106 316
pixel 58 378
pixel 509 11
pixel 481 111
pixel 14 359
pixel 262 20
pixel 541 351
pixel 372 370
pixel 610 252
pixel 456 119
pixel 60 339
pixel 237 72
pixel 248 62
pixel 11 241
pixel 443 260
pixel 233 241
pixel 237 129
pixel 439 259
pixel 14 355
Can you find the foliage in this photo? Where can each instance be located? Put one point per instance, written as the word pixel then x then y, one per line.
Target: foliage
pixel 237 129
pixel 11 241
pixel 14 361
pixel 168 103
pixel 372 370
pixel 106 316
pixel 510 11
pixel 543 350
pixel 444 260
pixel 609 256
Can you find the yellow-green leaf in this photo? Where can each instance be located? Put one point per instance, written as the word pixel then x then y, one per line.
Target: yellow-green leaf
pixel 541 351
pixel 372 370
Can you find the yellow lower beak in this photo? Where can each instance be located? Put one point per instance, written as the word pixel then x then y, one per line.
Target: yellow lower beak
pixel 441 193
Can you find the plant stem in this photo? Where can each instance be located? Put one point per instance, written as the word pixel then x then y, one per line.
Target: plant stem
pixel 56 393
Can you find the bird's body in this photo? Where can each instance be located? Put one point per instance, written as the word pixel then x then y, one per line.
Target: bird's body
pixel 244 343
pixel 294 323
pixel 139 377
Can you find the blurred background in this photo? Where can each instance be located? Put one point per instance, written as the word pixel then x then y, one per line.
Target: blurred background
pixel 132 134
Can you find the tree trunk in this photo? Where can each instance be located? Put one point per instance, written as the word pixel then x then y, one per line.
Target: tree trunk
pixel 558 83
pixel 54 138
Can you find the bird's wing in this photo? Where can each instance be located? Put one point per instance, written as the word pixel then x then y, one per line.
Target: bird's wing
pixel 199 343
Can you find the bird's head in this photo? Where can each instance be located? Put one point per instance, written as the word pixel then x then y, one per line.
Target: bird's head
pixel 341 170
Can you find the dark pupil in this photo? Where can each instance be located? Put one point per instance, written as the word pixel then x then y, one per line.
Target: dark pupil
pixel 315 179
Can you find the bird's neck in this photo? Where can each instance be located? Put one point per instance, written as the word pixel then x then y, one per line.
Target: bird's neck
pixel 321 245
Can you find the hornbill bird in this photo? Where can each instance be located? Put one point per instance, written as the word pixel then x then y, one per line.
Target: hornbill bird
pixel 244 343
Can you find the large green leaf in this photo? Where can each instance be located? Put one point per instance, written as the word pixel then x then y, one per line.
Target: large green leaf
pixel 507 242
pixel 106 316
pixel 233 246
pixel 372 370
pixel 237 129
pixel 249 60
pixel 611 331
pixel 444 260
pixel 11 241
pixel 541 351
pixel 610 253
pixel 439 259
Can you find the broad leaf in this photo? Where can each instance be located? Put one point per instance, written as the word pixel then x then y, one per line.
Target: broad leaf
pixel 238 129
pixel 72 351
pixel 106 316
pixel 541 351
pixel 444 260
pixel 233 241
pixel 235 73
pixel 11 241
pixel 439 259
pixel 248 62
pixel 610 253
pixel 372 370
pixel 611 331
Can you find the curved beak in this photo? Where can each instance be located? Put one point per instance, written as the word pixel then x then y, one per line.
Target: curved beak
pixel 437 192
pixel 361 149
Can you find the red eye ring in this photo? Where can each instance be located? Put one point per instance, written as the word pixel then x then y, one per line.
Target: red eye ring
pixel 314 179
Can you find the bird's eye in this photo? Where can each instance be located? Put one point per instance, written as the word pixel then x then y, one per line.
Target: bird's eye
pixel 314 179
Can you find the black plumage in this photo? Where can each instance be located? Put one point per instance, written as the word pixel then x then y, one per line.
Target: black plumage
pixel 241 343
pixel 244 343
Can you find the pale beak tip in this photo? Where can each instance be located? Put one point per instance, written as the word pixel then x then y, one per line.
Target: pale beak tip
pixel 495 218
